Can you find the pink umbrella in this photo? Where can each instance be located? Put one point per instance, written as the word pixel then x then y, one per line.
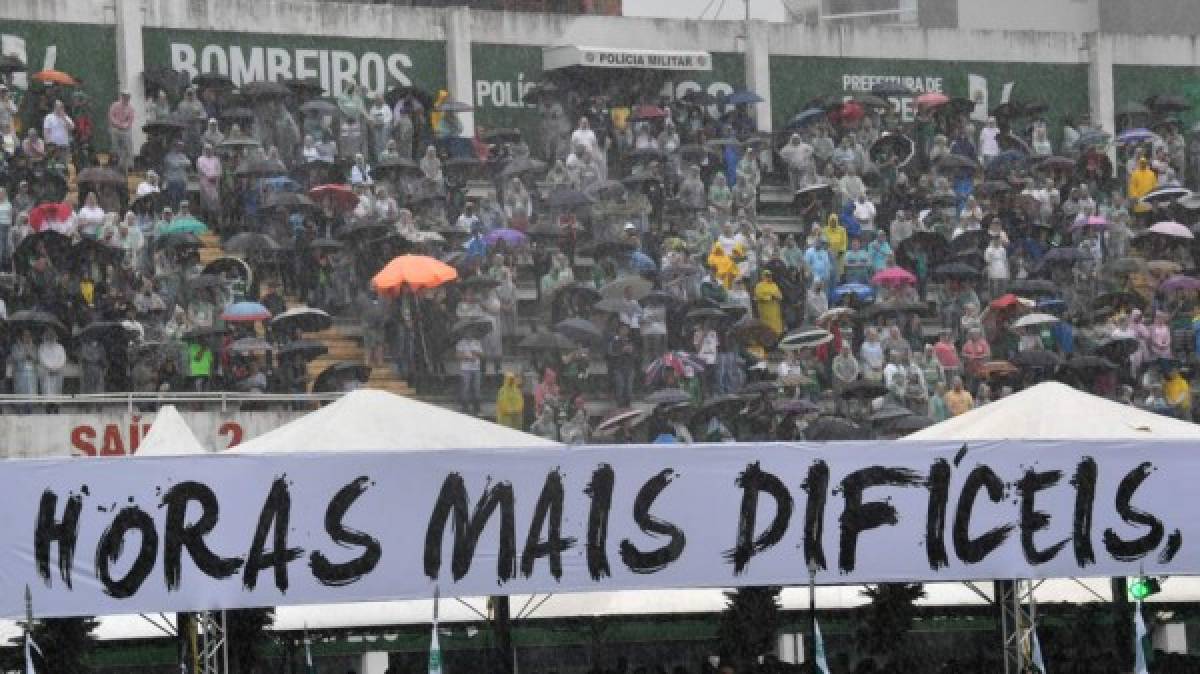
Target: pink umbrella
pixel 932 100
pixel 1180 282
pixel 893 276
pixel 1172 229
pixel 1093 222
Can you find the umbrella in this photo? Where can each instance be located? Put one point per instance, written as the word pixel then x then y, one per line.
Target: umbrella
pixel 340 196
pixel 895 308
pixel 1168 103
pixel 57 246
pixel 1165 195
pixel 649 112
pixel 35 321
pixel 48 214
pixel 334 377
pixel 863 390
pixel 365 230
pixel 327 244
pixel 1163 267
pixel 245 312
pixel 265 90
pixel 638 286
pixel 803 119
pixel 54 77
pixel 1179 282
pixel 605 189
pixel 100 175
pixel 872 101
pixel 805 339
pixel 753 330
pixel 956 161
pixel 177 241
pixel 894 276
pixel 827 429
pixel 910 424
pixel 617 419
pixel 108 332
pixel 760 387
pixel 743 97
pixel 677 361
pixel 304 319
pixel 205 281
pixel 668 396
pixel 1093 137
pixel 1096 222
pixel 580 330
pixel 9 63
pixel 993 187
pixel 580 293
pixel 288 201
pixel 1035 319
pixel 412 272
pixel 266 167
pixel 1083 363
pixel 932 99
pixel 186 225
pixel 1046 360
pixel 894 144
pixel 1033 287
pixel 201 334
pixel 814 191
pixel 1172 229
pixel 305 87
pixel 304 349
pixel 851 112
pixel 1133 136
pixel 470 328
pixel 1056 164
pixel 797 406
pixel 461 164
pixel 862 291
pixel 659 298
pixel 890 90
pixel 250 242
pixel 455 106
pixel 955 270
pixel 511 237
pixel 163 127
pixel 705 313
pixel 835 314
pixel 521 166
pixel 890 412
pixel 251 345
pixel 212 80
pixel 546 341
pixel 1118 349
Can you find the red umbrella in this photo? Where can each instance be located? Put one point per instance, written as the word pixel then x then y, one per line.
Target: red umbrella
pixel 851 112
pixel 932 100
pixel 649 112
pixel 43 215
pixel 340 196
pixel 894 276
pixel 1005 301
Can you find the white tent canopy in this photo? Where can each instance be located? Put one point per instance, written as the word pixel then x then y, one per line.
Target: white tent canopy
pixel 170 436
pixel 1054 411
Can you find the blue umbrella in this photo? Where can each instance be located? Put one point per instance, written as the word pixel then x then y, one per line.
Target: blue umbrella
pixel 805 118
pixel 1093 138
pixel 1136 136
pixel 740 97
pixel 864 292
pixel 245 312
pixel 642 262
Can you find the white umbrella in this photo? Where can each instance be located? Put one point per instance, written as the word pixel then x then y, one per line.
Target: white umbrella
pixel 1172 229
pixel 1035 319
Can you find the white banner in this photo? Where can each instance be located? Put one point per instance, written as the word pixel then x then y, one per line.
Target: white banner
pixel 120 433
pixel 230 531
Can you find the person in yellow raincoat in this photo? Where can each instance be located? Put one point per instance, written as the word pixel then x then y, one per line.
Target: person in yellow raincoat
pixel 768 299
pixel 435 116
pixel 838 240
pixel 510 403
pixel 724 267
pixel 1178 393
pixel 1141 182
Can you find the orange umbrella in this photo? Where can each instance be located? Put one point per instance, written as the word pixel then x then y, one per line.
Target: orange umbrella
pixel 412 272
pixel 55 77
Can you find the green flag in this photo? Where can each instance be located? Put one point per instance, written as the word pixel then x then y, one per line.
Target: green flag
pixel 1141 642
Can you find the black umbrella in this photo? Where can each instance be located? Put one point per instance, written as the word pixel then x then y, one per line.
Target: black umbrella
pixel 250 242
pixel 1086 363
pixel 910 424
pixel 890 412
pixel 1046 360
pixel 461 164
pixel 179 240
pixel 760 387
pixel 9 63
pixel 305 88
pixel 577 292
pixel 863 390
pixel 102 175
pixel 993 187
pixel 895 145
pixel 1168 103
pixel 319 108
pixel 163 127
pixel 57 247
pixel 827 429
pixel 795 406
pixel 668 396
pixel 1117 349
pixel 705 313
pixel 237 115
pixel 1060 256
pixel 546 341
pixel 806 339
pixel 971 241
pixel 289 201
pixel 108 332
pixel 955 270
pixel 35 321
pixel 304 319
pixel 1033 287
pixel 333 378
pixel 89 248
pixel 956 161
pixel 212 81
pixel 365 230
pixel 894 308
pixel 228 264
pixel 542 92
pixel 261 167
pixel 471 328
pixel 396 94
pixel 580 330
pixel 891 89
pixel 699 97
pixel 265 90
pixel 304 349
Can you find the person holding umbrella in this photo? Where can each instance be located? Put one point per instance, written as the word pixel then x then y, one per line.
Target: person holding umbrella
pixel 176 166
pixel 52 358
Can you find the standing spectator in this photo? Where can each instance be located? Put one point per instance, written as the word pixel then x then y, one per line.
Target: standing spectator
pixel 176 166
pixel 57 127
pixel 622 365
pixel 470 363
pixel 8 108
pixel 379 122
pixel 958 400
pixel 6 221
pixel 93 367
pixel 510 403
pixel 997 267
pixel 33 147
pixel 208 167
pixel 120 131
pixel 52 358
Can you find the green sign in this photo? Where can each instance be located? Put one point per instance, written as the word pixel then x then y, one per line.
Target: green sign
pixel 504 73
pixel 1137 83
pixel 795 80
pixel 87 52
pixel 376 65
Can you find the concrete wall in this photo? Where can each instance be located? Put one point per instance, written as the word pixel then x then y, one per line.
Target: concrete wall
pixel 1156 17
pixel 1042 15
